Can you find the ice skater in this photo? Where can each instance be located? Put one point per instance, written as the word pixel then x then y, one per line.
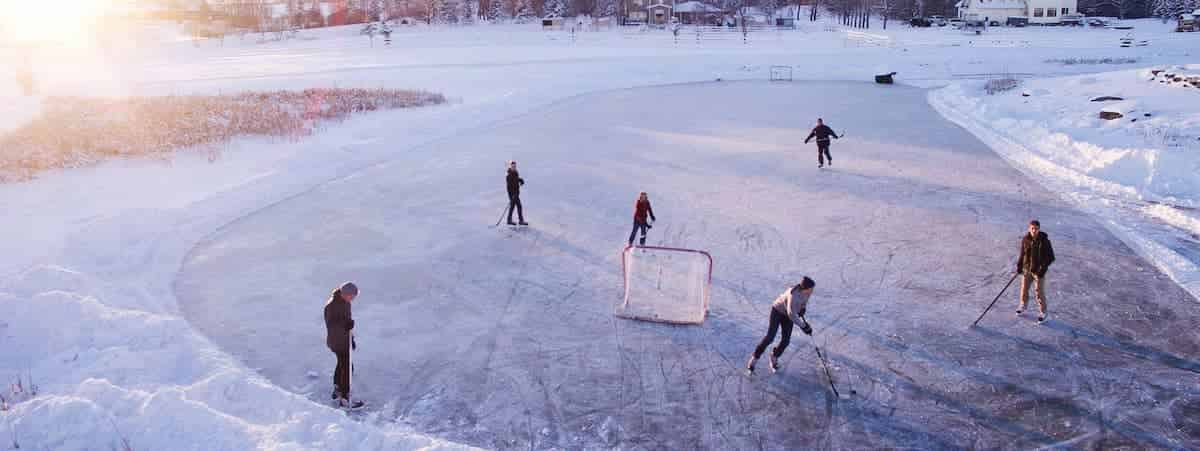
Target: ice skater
pixel 788 309
pixel 641 209
pixel 514 183
pixel 1036 256
pixel 822 132
pixel 339 322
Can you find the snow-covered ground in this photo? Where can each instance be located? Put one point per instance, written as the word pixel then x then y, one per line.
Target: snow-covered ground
pixel 1139 172
pixel 177 306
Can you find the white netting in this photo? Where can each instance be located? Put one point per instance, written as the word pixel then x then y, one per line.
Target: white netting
pixel 666 285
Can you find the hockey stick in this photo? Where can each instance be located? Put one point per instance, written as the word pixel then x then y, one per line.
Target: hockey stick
pixel 827 375
pixel 502 213
pixel 824 364
pixel 989 307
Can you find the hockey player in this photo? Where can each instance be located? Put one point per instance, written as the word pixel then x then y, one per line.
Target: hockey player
pixel 338 324
pixel 641 209
pixel 822 132
pixel 514 183
pixel 787 310
pixel 1036 256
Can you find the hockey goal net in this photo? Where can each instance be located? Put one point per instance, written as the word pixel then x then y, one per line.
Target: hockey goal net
pixel 665 284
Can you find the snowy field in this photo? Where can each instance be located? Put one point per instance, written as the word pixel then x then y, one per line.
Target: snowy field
pixel 177 306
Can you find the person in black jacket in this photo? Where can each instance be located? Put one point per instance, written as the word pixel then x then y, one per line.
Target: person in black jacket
pixel 822 132
pixel 339 322
pixel 1036 256
pixel 514 182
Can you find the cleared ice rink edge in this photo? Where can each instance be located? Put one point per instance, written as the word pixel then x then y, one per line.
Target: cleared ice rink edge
pixel 1118 207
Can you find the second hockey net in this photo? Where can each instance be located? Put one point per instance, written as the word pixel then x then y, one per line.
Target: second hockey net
pixel 663 284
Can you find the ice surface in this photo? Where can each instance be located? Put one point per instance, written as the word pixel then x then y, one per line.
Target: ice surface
pixel 88 282
pixel 505 338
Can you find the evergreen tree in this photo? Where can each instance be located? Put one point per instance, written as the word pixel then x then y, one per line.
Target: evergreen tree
pixel 554 9
pixel 447 12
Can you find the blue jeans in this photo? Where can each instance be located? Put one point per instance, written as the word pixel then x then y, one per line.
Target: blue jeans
pixel 638 225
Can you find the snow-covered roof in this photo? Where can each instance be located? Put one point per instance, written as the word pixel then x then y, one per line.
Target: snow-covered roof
pixel 992 4
pixel 996 4
pixel 695 7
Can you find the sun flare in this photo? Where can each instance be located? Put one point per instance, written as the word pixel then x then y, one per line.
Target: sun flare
pixel 59 21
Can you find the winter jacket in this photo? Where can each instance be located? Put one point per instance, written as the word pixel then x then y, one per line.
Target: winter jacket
pixel 641 209
pixel 792 303
pixel 514 182
pixel 822 133
pixel 338 322
pixel 1036 254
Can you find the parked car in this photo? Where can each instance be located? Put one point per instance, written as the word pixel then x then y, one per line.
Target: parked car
pixel 921 22
pixel 938 20
pixel 1017 21
pixel 974 26
pixel 1187 22
pixel 1072 20
pixel 956 23
pixel 1097 22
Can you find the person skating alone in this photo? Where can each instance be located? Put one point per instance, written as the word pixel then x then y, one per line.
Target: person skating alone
pixel 822 132
pixel 788 309
pixel 1036 256
pixel 514 182
pixel 641 209
pixel 339 322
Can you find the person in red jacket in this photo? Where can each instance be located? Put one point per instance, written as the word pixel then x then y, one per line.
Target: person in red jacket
pixel 641 210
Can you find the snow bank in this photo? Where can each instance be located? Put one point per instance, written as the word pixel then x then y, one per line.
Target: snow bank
pixel 93 324
pixel 1140 172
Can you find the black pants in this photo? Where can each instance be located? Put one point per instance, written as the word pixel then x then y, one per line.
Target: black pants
pixel 638 225
pixel 777 320
pixel 341 374
pixel 823 152
pixel 514 201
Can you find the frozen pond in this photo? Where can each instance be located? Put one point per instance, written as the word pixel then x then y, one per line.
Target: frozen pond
pixel 507 339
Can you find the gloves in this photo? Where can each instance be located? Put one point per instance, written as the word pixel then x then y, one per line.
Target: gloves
pixel 804 327
pixel 521 181
pixel 353 344
pixel 350 326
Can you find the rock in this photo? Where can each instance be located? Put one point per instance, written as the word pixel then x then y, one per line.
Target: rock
pixel 1107 98
pixel 1147 115
pixel 1025 94
pixel 1110 115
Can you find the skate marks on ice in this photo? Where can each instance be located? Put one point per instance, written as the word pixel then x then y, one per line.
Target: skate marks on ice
pixel 508 341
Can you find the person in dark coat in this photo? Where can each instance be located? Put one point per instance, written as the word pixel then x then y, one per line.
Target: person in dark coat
pixel 1036 256
pixel 822 132
pixel 514 183
pixel 339 322
pixel 641 209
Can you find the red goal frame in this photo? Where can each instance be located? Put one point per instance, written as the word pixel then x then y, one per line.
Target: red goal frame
pixel 707 281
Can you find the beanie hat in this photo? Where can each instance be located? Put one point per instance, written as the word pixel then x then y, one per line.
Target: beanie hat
pixel 349 288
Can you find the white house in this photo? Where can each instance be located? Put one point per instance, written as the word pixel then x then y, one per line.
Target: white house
pixel 1037 11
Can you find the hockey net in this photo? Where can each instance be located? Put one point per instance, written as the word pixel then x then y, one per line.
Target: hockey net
pixel 664 284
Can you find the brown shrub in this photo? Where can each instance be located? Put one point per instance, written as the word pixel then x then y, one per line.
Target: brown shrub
pixel 81 131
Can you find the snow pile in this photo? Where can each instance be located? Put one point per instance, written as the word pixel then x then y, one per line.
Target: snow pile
pixel 1140 171
pixel 90 319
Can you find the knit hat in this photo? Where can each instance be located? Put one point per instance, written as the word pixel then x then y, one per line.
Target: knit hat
pixel 349 288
